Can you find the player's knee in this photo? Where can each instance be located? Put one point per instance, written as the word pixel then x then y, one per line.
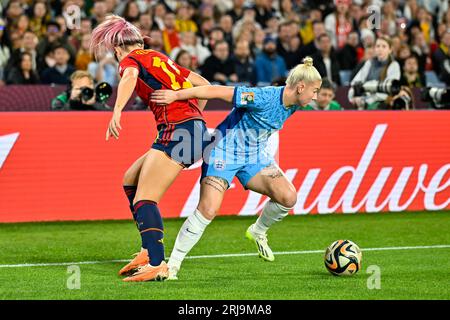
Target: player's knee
pixel 207 211
pixel 287 199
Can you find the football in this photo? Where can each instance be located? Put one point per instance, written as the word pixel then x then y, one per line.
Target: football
pixel 343 258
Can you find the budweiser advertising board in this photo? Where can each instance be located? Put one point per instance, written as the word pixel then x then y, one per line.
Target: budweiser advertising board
pixel 58 166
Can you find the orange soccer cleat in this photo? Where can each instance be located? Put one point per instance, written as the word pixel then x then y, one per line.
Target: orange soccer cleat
pixel 150 273
pixel 140 259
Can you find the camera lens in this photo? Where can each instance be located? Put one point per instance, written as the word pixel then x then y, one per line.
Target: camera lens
pixel 86 93
pixel 103 91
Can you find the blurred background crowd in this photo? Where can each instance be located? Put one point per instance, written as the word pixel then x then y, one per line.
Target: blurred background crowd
pixel 236 41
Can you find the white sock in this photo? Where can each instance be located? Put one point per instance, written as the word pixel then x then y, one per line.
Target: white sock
pixel 190 232
pixel 271 213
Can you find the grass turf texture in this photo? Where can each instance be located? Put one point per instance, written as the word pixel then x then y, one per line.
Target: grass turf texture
pixel 405 274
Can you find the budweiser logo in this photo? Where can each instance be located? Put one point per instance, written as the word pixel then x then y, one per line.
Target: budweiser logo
pixel 371 201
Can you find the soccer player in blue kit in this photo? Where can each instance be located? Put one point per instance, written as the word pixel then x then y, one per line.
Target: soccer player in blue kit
pixel 240 149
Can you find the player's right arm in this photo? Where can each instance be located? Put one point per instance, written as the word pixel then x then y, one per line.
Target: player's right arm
pixel 124 91
pixel 197 80
pixel 202 92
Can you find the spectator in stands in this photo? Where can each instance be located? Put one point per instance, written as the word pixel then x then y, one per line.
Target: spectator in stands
pixel 104 69
pixel 131 11
pixel 339 23
pixel 286 10
pixel 189 43
pixel 20 25
pixel 226 24
pixel 145 23
pixel 29 44
pixel 268 64
pixel 23 73
pixel 5 52
pixel 61 72
pixel 287 47
pixel 53 37
pixel 313 47
pixel 185 60
pixel 215 35
pixel 13 11
pixel 264 12
pixel 184 21
pixel 73 99
pixel 325 98
pixel 76 34
pixel 219 67
pixel 402 54
pixel 156 41
pixel 420 47
pixel 326 61
pixel 410 75
pixel 306 25
pixel 441 58
pixel 326 6
pixel 206 26
pixel 84 56
pixel 99 12
pixel 112 6
pixel 243 62
pixel 258 41
pixel 382 67
pixel 367 38
pixel 159 12
pixel 388 18
pixel 40 17
pixel 247 20
pixel 170 34
pixel 348 55
pixel 237 11
pixel 425 21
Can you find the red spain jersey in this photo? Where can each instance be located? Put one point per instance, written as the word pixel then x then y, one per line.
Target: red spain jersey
pixel 157 71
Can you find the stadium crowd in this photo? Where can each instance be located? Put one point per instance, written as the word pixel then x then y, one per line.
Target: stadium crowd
pixel 233 41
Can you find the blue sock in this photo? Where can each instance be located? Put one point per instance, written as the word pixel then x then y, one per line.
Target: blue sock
pixel 130 191
pixel 150 226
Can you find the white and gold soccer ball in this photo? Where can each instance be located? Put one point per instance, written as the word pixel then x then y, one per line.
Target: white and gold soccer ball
pixel 343 258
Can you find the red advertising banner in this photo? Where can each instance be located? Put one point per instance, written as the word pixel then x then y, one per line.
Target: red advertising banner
pixel 58 166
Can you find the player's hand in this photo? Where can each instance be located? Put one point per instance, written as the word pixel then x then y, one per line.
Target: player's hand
pixel 163 96
pixel 114 126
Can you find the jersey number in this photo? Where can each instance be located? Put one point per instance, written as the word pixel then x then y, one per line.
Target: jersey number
pixel 174 83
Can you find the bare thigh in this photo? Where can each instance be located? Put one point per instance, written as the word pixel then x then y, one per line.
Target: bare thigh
pixel 272 182
pixel 131 176
pixel 157 174
pixel 212 191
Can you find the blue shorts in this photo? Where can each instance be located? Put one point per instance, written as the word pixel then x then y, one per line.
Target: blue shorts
pixel 217 166
pixel 183 142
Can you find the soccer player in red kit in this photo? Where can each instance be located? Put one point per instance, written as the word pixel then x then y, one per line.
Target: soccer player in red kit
pixel 148 178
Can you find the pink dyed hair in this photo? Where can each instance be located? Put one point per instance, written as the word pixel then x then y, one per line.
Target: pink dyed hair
pixel 114 32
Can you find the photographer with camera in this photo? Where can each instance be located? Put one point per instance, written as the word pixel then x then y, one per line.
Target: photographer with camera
pixel 82 95
pixel 403 100
pixel 380 71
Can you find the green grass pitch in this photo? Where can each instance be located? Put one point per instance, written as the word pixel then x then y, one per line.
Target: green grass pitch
pixel 415 273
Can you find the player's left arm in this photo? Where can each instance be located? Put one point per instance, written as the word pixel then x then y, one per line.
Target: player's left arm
pixel 197 81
